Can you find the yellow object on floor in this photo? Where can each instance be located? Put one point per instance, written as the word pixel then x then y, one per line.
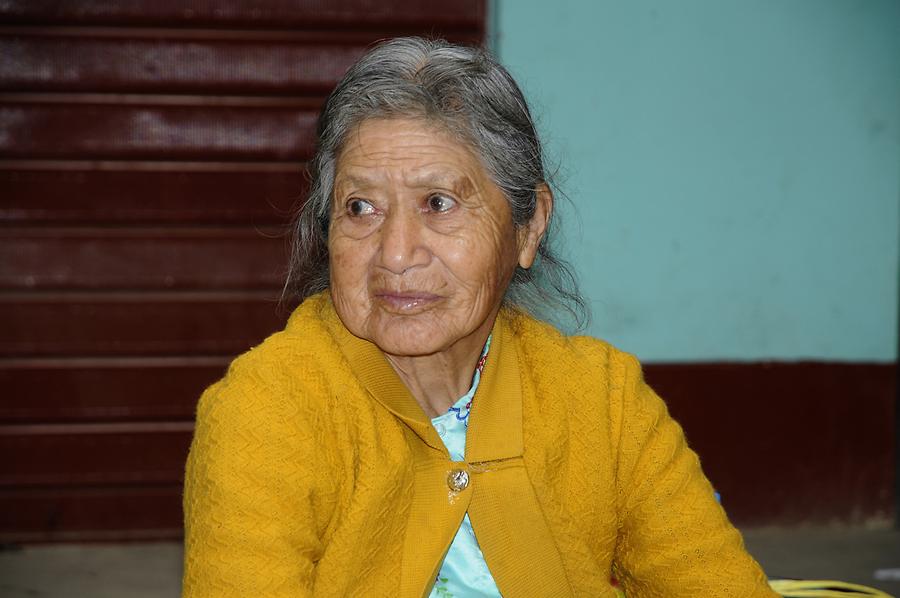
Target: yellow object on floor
pixel 815 588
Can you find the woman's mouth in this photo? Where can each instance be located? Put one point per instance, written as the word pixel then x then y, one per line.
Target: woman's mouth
pixel 406 302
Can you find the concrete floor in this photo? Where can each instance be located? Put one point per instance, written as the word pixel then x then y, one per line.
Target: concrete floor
pixel 92 571
pixel 867 557
pixel 154 570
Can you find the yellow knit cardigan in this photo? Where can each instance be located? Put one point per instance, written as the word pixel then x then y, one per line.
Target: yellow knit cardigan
pixel 313 471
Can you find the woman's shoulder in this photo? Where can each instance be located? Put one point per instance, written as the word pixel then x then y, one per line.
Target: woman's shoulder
pixel 542 344
pixel 299 354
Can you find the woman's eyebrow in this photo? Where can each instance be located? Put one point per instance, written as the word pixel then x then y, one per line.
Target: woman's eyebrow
pixel 357 180
pixel 459 182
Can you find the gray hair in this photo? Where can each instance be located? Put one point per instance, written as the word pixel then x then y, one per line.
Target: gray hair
pixel 468 93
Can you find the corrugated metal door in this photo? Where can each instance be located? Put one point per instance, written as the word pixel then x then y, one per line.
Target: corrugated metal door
pixel 150 155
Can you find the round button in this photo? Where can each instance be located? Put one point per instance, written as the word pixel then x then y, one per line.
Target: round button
pixel 458 480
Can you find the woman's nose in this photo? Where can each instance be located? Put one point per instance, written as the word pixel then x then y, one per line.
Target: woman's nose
pixel 402 242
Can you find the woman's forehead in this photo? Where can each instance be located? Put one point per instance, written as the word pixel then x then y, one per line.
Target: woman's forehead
pixel 415 152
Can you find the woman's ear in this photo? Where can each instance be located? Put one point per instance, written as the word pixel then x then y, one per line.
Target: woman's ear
pixel 530 234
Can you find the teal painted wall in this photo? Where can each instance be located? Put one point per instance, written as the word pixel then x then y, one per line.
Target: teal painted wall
pixel 734 168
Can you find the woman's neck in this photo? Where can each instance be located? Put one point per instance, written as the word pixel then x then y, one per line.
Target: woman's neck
pixel 437 381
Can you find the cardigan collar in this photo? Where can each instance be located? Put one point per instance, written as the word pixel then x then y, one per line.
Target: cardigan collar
pixel 495 422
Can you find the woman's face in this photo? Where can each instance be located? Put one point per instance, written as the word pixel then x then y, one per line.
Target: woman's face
pixel 422 244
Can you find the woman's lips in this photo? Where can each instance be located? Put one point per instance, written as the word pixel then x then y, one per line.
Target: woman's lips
pixel 406 302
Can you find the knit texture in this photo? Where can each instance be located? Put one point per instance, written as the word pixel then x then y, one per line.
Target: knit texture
pixel 313 471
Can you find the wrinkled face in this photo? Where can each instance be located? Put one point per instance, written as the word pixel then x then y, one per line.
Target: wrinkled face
pixel 422 244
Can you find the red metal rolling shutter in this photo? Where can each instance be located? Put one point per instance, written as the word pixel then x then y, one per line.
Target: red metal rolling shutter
pixel 150 156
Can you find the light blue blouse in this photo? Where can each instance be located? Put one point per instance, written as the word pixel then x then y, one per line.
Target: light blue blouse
pixel 464 572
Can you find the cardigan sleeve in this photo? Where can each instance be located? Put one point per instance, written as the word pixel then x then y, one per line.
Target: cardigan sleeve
pixel 675 539
pixel 249 493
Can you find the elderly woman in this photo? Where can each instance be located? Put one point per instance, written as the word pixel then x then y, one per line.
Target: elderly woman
pixel 416 428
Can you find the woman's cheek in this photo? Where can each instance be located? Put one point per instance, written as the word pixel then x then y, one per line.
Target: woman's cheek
pixel 480 257
pixel 346 264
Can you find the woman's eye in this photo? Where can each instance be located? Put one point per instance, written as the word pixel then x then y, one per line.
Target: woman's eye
pixel 440 203
pixel 359 207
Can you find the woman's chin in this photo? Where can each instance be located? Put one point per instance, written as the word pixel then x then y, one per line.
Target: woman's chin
pixel 411 336
pixel 411 343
